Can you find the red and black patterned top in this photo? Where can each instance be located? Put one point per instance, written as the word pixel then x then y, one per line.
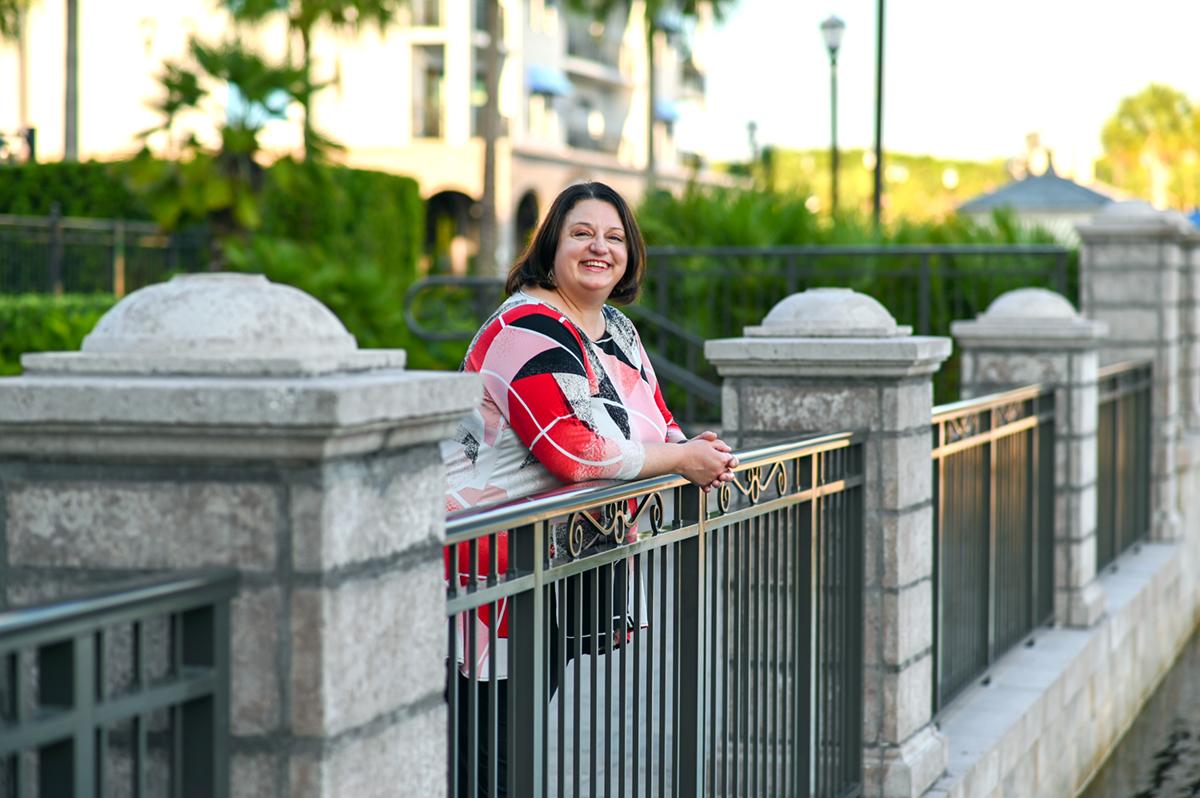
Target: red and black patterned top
pixel 557 408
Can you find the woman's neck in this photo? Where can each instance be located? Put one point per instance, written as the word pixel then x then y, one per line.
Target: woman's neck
pixel 589 318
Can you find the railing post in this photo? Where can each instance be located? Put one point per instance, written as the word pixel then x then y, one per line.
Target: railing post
pixel 833 359
pixel 265 441
pixel 1029 336
pixel 690 619
pixel 54 263
pixel 1130 264
pixel 118 258
pixel 526 700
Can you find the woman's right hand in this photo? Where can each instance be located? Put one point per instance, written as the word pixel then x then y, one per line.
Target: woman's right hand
pixel 707 460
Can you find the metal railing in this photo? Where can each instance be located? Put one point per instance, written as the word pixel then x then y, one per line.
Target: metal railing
pixel 993 498
pixel 1123 459
pixel 124 691
pixel 659 640
pixel 56 254
pixel 692 294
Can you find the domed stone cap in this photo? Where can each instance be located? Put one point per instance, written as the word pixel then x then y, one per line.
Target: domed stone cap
pixel 828 313
pixel 219 325
pixel 1030 303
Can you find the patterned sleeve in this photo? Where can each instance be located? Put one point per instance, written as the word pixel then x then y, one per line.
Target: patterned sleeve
pixel 534 369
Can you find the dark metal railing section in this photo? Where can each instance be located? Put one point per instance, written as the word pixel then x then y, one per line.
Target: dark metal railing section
pixel 1123 442
pixel 119 692
pixel 55 254
pixel 692 294
pixel 993 480
pixel 716 651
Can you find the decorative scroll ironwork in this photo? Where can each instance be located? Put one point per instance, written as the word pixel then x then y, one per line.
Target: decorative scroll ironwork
pixel 614 522
pixel 1014 411
pixel 961 427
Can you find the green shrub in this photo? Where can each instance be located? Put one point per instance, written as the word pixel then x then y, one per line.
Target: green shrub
pixel 46 323
pixel 349 213
pixel 91 189
pixel 724 294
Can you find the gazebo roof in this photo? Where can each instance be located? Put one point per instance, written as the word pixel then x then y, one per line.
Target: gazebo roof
pixel 1044 192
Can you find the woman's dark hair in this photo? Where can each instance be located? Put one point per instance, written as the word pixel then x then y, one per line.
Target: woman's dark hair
pixel 536 264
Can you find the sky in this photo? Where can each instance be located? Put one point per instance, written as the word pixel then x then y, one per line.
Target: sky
pixel 962 78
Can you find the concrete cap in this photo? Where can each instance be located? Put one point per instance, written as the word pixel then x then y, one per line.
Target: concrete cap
pixel 828 313
pixel 217 324
pixel 1134 218
pixel 1029 318
pixel 1030 303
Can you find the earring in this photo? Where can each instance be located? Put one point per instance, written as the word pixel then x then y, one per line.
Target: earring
pixel 550 280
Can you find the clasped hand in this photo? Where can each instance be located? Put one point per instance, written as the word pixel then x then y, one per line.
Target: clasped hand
pixel 709 461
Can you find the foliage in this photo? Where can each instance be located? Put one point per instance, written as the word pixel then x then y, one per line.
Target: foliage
pixel 303 16
pixel 353 211
pixel 219 188
pixel 957 286
pixel 12 13
pixel 46 323
pixel 1152 147
pixel 89 189
pixel 919 187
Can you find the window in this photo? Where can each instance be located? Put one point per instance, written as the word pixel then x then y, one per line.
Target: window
pixel 426 13
pixel 429 75
pixel 479 92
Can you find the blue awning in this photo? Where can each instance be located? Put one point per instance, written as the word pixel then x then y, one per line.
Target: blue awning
pixel 666 111
pixel 547 80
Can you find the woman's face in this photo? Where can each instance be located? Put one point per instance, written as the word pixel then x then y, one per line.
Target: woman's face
pixel 592 252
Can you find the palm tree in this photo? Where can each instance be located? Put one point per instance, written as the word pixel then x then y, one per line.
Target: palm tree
pixel 303 17
pixel 12 29
pixel 485 262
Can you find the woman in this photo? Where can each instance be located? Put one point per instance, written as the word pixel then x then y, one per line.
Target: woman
pixel 569 394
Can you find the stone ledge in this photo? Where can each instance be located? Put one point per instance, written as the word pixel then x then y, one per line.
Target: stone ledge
pixel 827 357
pixel 998 725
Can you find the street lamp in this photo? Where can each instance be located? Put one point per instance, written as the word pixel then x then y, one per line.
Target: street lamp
pixel 832 30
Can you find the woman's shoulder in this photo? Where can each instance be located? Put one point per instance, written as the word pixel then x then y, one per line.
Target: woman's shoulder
pixel 519 315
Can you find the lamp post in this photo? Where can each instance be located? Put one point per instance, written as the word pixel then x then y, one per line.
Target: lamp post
pixel 832 30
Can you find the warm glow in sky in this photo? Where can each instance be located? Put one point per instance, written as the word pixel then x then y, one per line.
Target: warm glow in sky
pixel 962 78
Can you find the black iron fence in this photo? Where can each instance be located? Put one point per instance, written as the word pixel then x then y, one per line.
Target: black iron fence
pixel 657 640
pixel 993 494
pixel 120 692
pixel 692 294
pixel 1123 459
pixel 56 254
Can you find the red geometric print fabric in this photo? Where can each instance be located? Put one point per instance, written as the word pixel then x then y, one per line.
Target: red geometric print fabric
pixel 557 408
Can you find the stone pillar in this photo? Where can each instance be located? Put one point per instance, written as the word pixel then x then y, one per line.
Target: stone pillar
pixel 830 360
pixel 224 420
pixel 1130 261
pixel 1028 336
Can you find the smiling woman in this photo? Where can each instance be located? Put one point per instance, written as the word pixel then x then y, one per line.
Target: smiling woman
pixel 569 395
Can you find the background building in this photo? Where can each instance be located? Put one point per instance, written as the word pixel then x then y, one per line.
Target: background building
pixel 573 97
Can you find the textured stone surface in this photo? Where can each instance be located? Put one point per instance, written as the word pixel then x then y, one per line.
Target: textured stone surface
pixel 908 633
pixel 142 524
pixel 780 406
pixel 907 539
pixel 366 648
pixel 906 405
pixel 255 776
pixel 369 767
pixel 255 706
pixel 367 509
pixel 906 462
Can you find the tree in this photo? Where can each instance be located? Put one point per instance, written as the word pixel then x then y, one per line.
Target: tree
pixel 303 17
pixel 13 14
pixel 215 187
pixel 658 12
pixel 1151 147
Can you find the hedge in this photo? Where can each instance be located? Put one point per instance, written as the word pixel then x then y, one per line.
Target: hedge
pixel 91 189
pixel 46 323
